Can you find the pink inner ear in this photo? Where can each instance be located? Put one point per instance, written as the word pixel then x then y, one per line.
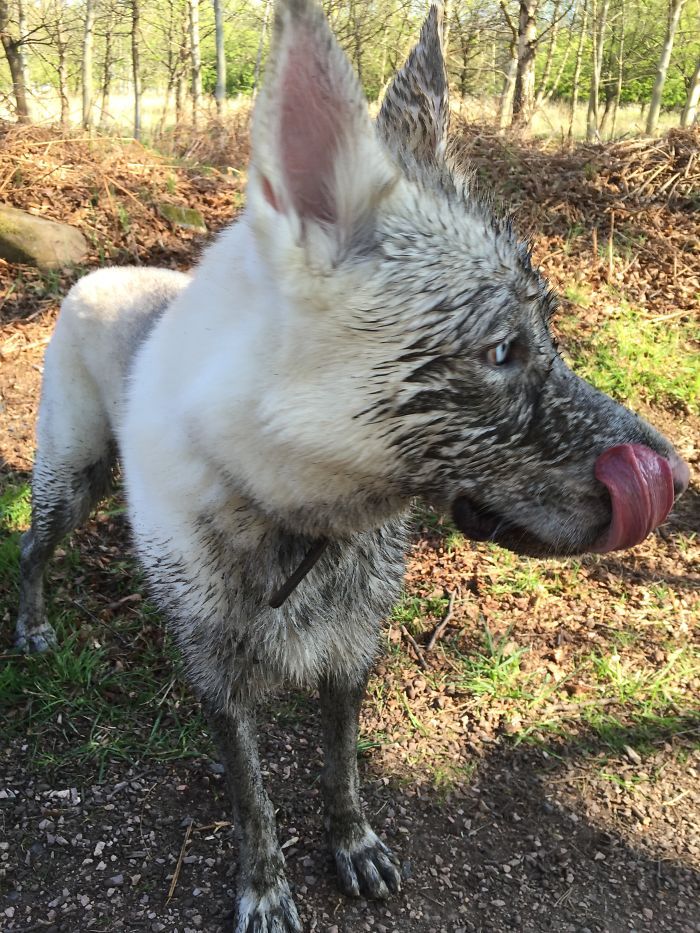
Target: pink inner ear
pixel 312 114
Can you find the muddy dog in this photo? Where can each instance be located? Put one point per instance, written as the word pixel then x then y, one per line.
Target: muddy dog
pixel 366 333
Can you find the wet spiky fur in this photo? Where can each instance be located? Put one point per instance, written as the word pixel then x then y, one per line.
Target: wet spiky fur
pixel 338 351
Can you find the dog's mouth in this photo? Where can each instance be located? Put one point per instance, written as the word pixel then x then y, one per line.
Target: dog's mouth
pixel 481 524
pixel 640 489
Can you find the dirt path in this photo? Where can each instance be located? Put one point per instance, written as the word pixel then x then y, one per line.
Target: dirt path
pixel 508 853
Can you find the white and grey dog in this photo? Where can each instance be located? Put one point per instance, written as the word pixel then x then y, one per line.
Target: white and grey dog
pixel 367 332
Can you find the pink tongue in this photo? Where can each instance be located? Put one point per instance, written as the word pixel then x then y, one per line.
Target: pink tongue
pixel 640 484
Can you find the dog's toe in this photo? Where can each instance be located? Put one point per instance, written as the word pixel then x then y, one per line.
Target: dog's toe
pixel 36 641
pixel 369 868
pixel 271 912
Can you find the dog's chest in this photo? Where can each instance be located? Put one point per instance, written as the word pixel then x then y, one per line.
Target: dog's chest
pixel 329 624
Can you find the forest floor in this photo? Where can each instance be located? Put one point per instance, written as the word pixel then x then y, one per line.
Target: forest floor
pixel 536 770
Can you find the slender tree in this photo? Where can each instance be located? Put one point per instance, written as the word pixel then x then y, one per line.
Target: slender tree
pixel 505 107
pixel 599 17
pixel 88 44
pixel 524 96
pixel 675 9
pixel 195 60
pixel 220 57
pixel 547 70
pixel 692 100
pixel 13 53
pixel 261 44
pixel 620 68
pixel 107 63
pixel 575 84
pixel 136 63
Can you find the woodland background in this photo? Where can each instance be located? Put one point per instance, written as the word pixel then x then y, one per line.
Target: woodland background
pixel 593 68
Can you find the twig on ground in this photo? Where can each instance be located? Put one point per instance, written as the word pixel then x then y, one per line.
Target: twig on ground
pixel 178 867
pixel 10 347
pixel 442 625
pixel 416 647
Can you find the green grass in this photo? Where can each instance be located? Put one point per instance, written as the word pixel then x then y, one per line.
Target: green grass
pixel 631 704
pixel 15 514
pixel 493 671
pixel 110 691
pixel 649 688
pixel 418 613
pixel 579 294
pixel 637 360
pixel 90 703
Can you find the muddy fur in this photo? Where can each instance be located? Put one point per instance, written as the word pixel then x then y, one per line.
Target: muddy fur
pixel 369 331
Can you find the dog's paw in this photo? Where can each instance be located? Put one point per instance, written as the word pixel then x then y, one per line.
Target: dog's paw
pixel 36 640
pixel 271 912
pixel 367 867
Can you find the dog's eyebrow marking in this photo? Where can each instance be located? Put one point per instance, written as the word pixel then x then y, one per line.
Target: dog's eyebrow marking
pixel 281 594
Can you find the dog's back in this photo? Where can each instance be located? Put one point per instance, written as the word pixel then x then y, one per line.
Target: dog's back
pixel 104 319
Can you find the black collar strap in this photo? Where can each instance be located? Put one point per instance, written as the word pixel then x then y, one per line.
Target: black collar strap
pixel 280 595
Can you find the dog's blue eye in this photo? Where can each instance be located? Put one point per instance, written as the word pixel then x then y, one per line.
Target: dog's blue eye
pixel 499 355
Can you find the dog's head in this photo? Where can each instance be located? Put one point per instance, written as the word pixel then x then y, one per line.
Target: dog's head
pixel 416 356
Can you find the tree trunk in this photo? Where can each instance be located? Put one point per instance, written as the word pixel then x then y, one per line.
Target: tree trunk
pixel 261 44
pixel 13 54
pixel 136 64
pixel 180 85
pixel 220 58
pixel 524 96
pixel 62 50
pixel 562 68
pixel 505 106
pixel 107 69
pixel 691 103
pixel 86 72
pixel 598 24
pixel 577 69
pixel 196 60
pixel 23 33
pixel 620 60
pixel 547 70
pixel 674 15
pixel 446 24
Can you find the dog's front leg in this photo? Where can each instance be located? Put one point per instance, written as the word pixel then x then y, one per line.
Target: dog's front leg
pixel 365 864
pixel 264 902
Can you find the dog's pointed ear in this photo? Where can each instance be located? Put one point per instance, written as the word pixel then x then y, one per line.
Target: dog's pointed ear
pixel 316 158
pixel 415 113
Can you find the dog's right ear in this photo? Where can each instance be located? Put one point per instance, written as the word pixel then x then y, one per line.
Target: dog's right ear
pixel 415 113
pixel 316 160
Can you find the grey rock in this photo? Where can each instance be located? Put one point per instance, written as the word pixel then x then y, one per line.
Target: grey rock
pixel 39 242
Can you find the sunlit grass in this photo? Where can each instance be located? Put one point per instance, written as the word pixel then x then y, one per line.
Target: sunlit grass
pixel 636 360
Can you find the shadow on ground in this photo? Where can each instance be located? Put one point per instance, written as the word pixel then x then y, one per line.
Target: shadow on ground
pixel 512 849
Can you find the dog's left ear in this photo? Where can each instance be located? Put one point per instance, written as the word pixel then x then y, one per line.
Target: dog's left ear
pixel 316 159
pixel 415 113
